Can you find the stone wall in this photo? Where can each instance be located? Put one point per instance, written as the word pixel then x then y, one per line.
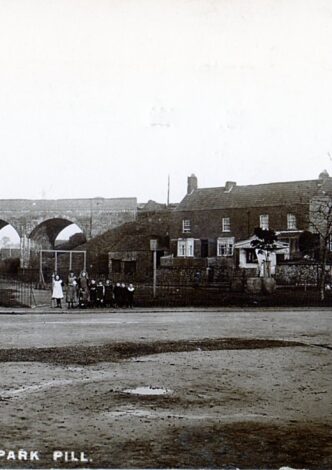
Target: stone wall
pixel 181 271
pixel 297 274
pixel 184 271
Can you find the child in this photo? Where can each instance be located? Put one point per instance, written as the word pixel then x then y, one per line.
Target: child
pixel 100 294
pixel 57 292
pixel 83 297
pixel 108 297
pixel 130 295
pixel 71 296
pixel 93 293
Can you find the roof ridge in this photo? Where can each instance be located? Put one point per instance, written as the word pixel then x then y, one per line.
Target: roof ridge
pixel 258 184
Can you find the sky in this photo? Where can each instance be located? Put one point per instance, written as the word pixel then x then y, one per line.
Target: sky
pixel 108 97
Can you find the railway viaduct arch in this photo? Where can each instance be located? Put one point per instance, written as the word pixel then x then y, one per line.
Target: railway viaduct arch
pixel 38 222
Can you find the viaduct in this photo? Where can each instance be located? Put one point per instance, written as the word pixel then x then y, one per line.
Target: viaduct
pixel 38 222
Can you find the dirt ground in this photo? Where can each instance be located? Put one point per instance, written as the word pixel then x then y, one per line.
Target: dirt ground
pixel 240 389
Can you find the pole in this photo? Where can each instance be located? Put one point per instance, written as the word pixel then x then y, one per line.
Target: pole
pixel 168 191
pixel 70 260
pixel 154 272
pixel 56 263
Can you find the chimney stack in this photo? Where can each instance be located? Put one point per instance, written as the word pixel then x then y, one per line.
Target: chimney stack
pixel 324 176
pixel 192 183
pixel 229 185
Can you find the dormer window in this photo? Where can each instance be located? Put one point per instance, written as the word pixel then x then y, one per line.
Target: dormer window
pixel 291 222
pixel 264 221
pixel 186 226
pixel 226 224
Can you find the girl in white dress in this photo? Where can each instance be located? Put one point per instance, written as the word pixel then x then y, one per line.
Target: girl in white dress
pixel 57 292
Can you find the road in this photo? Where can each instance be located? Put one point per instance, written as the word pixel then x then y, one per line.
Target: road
pixel 99 327
pixel 193 388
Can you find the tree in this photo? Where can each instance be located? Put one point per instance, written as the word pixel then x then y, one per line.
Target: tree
pixel 265 244
pixel 320 216
pixel 5 241
pixel 309 244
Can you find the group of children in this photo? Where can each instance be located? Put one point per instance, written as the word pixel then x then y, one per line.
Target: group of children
pixel 82 292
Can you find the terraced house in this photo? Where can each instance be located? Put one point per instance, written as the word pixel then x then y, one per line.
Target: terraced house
pixel 213 226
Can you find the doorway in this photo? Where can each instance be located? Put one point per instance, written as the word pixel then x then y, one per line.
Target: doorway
pixel 204 248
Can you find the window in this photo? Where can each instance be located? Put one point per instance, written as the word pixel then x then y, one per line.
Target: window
pixel 186 227
pixel 291 222
pixel 225 246
pixel 226 224
pixel 251 256
pixel 129 267
pixel 264 221
pixel 186 247
pixel 116 265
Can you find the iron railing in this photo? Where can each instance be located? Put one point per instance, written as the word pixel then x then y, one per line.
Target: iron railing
pixel 15 293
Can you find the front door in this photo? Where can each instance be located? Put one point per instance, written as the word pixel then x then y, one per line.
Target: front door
pixel 204 248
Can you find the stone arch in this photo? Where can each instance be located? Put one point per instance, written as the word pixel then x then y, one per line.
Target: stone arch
pixel 5 223
pixel 45 233
pixel 10 247
pixel 70 237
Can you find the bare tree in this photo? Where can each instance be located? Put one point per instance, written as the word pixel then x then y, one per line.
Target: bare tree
pixel 320 216
pixel 5 241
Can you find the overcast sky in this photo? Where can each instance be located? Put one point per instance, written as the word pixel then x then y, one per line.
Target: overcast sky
pixel 108 97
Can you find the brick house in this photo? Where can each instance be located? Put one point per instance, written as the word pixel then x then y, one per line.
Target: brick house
pixel 208 223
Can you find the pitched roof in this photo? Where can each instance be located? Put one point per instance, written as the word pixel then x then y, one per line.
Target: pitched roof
pixel 258 195
pixel 131 236
pixel 152 206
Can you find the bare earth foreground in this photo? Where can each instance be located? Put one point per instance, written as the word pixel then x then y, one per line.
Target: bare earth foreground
pixel 224 389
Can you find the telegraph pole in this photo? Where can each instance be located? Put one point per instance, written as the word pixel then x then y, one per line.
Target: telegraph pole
pixel 168 185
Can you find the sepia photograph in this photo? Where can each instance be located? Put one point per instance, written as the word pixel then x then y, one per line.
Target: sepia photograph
pixel 166 234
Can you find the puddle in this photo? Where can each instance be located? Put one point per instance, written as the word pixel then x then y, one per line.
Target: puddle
pixel 147 391
pixel 157 414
